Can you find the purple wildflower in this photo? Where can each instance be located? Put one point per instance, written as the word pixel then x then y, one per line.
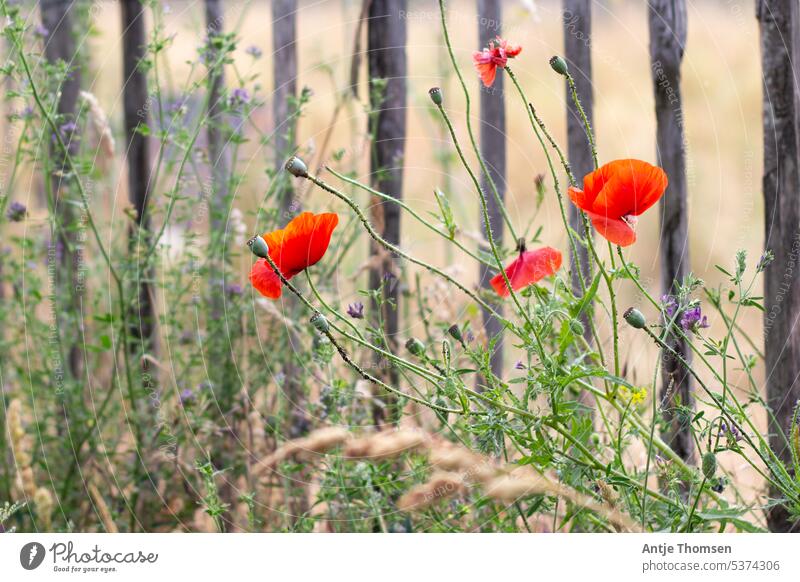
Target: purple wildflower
pixel 187 395
pixel 16 211
pixel 693 319
pixel 356 310
pixel 520 366
pixel 254 51
pixel 40 31
pixel 670 305
pixel 239 96
pixel 234 289
pixel 731 433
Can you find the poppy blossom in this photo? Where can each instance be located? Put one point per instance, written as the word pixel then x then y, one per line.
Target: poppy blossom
pixel 495 55
pixel 528 268
pixel 296 247
pixel 616 193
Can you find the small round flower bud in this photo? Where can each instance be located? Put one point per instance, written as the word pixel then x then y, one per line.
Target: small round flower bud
pixel 320 323
pixel 576 327
pixel 455 333
pixel 259 247
pixel 559 65
pixel 436 95
pixel 297 167
pixel 709 465
pixel 415 346
pixel 635 318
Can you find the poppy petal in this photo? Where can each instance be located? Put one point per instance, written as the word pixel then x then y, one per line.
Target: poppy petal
pixel 528 268
pixel 580 198
pixel 487 72
pixel 615 230
pixel 302 243
pixel 628 187
pixel 265 280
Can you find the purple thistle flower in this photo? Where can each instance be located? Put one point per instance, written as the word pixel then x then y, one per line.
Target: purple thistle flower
pixel 16 211
pixel 254 51
pixel 693 319
pixel 356 310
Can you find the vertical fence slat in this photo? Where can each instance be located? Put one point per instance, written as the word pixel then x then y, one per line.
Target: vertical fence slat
pixel 136 104
pixel 284 68
pixel 668 28
pixel 57 18
pixel 493 150
pixel 387 60
pixel 781 185
pixel 577 21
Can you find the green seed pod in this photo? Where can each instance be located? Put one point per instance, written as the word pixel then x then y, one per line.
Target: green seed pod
pixel 709 465
pixel 258 246
pixel 320 323
pixel 559 65
pixel 576 327
pixel 436 96
pixel 595 438
pixel 297 167
pixel 415 346
pixel 635 318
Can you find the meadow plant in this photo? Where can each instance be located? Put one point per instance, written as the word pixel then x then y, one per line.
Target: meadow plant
pixel 199 434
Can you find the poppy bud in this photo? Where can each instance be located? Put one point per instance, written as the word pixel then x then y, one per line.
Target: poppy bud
pixel 415 346
pixel 709 465
pixel 635 318
pixel 559 65
pixel 297 167
pixel 320 323
pixel 446 353
pixel 576 327
pixel 455 333
pixel 259 247
pixel 436 96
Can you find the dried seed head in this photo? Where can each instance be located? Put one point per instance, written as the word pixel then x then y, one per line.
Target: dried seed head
pixel 440 486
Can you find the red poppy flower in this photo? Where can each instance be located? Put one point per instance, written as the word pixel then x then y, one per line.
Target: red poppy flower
pixel 299 245
pixel 616 193
pixel 528 268
pixel 495 55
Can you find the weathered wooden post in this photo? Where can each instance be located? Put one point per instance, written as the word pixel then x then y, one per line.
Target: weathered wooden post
pixel 493 151
pixel 781 185
pixel 387 64
pixel 59 45
pixel 137 103
pixel 668 28
pixel 577 21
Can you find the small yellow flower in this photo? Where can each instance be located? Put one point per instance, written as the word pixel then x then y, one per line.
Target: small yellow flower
pixel 638 395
